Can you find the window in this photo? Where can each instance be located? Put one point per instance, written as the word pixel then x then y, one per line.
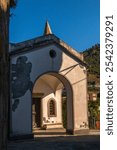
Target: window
pixel 52 53
pixel 52 108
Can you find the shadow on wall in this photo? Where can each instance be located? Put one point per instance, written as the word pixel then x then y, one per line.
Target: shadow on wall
pixel 20 79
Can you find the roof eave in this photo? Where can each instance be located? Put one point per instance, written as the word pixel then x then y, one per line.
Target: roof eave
pixel 42 41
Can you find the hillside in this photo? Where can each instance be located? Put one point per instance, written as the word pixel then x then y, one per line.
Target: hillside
pixel 92 59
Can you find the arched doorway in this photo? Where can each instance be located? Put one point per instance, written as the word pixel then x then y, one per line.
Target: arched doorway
pixel 47 102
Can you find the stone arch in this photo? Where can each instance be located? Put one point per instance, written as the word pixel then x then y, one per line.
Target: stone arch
pixel 66 83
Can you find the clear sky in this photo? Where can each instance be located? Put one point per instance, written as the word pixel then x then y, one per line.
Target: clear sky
pixel 76 22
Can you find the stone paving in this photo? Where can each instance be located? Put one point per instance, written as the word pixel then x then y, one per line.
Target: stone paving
pixel 79 142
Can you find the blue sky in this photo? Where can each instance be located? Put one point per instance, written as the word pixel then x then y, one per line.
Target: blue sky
pixel 76 22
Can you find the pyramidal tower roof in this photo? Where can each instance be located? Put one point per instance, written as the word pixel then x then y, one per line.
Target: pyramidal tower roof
pixel 47 29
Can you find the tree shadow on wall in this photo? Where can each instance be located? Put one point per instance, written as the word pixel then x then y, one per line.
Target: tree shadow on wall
pixel 20 79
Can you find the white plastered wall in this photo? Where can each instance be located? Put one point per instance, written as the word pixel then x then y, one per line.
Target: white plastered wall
pixel 65 65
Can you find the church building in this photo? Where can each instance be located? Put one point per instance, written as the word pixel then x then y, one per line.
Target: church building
pixel 46 74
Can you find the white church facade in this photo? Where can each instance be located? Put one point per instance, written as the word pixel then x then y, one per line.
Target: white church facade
pixel 41 70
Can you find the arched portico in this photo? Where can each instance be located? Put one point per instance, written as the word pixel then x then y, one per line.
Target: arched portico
pixel 47 87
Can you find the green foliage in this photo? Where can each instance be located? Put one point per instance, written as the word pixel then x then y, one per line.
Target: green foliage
pixel 93 107
pixel 92 59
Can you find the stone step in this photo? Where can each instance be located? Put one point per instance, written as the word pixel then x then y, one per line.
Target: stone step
pixel 50 132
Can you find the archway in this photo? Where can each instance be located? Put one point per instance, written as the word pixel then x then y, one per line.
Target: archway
pixel 48 95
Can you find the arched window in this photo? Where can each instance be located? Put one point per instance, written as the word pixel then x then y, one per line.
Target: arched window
pixel 52 108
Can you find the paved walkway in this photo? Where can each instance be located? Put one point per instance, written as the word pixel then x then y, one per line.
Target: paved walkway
pixel 65 142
